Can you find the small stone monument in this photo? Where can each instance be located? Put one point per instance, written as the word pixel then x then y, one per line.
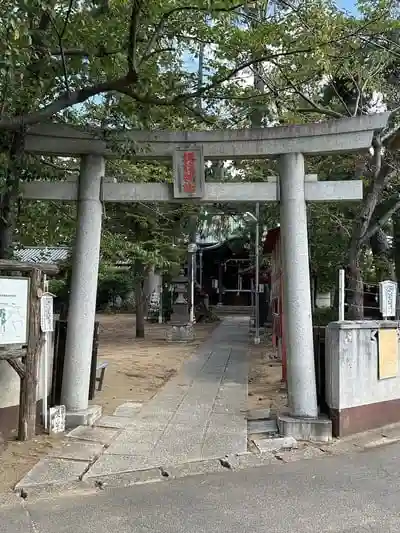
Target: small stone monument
pixel 387 298
pixel 181 328
pixel 57 419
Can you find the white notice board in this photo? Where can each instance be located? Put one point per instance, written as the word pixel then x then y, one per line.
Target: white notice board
pixel 46 313
pixel 14 293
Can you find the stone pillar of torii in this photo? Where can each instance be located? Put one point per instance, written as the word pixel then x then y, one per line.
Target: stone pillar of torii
pixel 292 190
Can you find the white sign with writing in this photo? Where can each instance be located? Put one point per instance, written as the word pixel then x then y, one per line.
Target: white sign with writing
pixel 14 293
pixel 57 419
pixel 46 313
pixel 387 298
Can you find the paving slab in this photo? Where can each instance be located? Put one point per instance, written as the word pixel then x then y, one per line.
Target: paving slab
pixel 52 470
pixel 135 442
pixel 117 464
pixel 221 445
pixel 126 479
pixel 259 414
pixel 199 411
pixel 128 409
pixel 199 414
pixel 111 421
pixel 94 434
pixel 77 450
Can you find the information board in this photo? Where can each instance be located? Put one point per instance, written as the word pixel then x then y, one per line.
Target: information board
pixel 46 313
pixel 14 293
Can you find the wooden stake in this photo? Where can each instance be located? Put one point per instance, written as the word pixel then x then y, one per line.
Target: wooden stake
pixel 28 395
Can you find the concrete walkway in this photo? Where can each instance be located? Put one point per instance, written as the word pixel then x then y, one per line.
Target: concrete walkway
pixel 199 414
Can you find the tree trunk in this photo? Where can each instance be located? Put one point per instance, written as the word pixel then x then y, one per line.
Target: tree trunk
pixel 396 253
pixel 9 196
pixel 381 251
pixel 355 290
pixel 360 237
pixel 28 391
pixel 396 244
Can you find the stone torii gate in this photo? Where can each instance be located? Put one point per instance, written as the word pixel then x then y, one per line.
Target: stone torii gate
pixel 292 190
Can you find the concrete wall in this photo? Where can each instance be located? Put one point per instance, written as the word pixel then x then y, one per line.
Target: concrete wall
pixel 10 389
pixel 357 399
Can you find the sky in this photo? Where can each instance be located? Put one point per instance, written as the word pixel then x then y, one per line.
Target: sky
pixel 346 5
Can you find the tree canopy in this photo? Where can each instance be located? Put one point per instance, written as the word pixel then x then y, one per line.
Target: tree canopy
pixel 180 64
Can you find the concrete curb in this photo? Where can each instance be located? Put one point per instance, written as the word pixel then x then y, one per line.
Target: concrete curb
pixel 164 473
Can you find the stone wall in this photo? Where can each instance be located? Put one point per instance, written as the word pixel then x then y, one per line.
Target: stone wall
pixel 356 396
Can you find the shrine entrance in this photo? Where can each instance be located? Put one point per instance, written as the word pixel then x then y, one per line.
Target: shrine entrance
pixel 189 150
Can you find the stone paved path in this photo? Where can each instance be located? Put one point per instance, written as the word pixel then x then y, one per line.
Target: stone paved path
pixel 199 414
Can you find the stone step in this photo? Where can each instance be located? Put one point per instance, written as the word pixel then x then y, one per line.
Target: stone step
pixel 255 427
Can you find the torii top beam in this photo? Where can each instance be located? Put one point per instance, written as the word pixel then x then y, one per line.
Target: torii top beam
pixel 343 135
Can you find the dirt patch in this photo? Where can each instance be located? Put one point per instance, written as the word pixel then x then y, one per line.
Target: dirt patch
pixel 265 375
pixel 137 369
pixel 19 457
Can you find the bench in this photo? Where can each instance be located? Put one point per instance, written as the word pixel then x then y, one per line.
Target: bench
pixel 102 368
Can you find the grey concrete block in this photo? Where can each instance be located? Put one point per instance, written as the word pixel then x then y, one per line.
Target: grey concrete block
pixel 252 460
pixel 291 456
pixel 180 334
pixel 308 429
pixel 116 422
pixel 118 464
pixel 280 443
pixel 262 426
pixel 55 490
pixel 52 470
pixel 258 414
pixel 195 468
pixel 391 432
pixel 126 479
pixel 94 434
pixel 77 450
pixel 86 417
pixel 129 409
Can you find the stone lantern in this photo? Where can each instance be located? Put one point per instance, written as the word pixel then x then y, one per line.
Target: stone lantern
pixel 180 306
pixel 182 329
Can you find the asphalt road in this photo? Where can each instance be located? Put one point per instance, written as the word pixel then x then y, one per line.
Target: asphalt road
pixel 356 493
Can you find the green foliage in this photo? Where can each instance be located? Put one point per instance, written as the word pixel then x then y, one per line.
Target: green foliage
pixel 124 64
pixel 323 316
pixel 112 284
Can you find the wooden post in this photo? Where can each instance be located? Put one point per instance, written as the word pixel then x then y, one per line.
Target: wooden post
pixel 27 415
